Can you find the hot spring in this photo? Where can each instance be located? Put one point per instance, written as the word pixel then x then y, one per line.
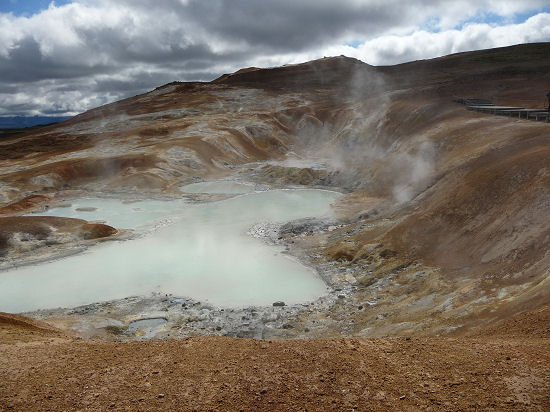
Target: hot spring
pixel 186 249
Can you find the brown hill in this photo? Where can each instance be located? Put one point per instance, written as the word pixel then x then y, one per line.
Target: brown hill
pixel 461 194
pixel 442 232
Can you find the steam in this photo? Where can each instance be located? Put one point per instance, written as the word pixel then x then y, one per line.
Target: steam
pixel 359 144
pixel 412 172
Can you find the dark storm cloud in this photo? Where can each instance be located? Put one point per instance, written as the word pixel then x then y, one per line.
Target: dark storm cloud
pixel 7 88
pixel 291 25
pixel 163 47
pixel 141 81
pixel 91 52
pixel 26 63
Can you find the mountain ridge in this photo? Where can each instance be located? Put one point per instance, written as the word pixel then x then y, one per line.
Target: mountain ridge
pixel 438 247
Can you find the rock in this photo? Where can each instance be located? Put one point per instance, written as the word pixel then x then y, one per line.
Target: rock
pixel 160 395
pixel 96 230
pixel 341 296
pixel 86 209
pixel 270 317
pixel 250 334
pixel 279 303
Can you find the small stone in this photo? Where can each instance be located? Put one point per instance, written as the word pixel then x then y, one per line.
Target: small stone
pixel 279 303
pixel 263 391
pixel 160 395
pixel 341 296
pixel 218 328
pixel 402 397
pixel 360 307
pixel 85 209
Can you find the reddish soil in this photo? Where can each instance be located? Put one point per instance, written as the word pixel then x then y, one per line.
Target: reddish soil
pixel 30 234
pixel 42 369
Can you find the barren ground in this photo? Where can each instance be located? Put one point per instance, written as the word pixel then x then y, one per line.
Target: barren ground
pixel 46 370
pixel 438 260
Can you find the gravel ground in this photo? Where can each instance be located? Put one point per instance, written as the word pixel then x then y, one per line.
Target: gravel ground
pixel 43 369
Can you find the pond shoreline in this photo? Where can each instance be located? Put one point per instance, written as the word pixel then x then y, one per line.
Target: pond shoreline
pixel 111 319
pixel 185 316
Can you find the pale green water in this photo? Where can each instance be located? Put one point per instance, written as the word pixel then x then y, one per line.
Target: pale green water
pixel 119 214
pixel 218 187
pixel 204 254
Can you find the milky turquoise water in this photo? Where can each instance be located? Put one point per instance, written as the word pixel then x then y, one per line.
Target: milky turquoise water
pixel 120 214
pixel 200 251
pixel 214 187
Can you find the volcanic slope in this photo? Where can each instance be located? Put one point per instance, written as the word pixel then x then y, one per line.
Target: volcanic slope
pixel 446 220
pixel 443 229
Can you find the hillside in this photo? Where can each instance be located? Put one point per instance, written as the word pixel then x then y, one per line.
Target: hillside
pixel 441 236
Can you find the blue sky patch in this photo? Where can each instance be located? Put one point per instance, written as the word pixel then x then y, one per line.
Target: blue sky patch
pixel 497 20
pixel 27 7
pixel 355 44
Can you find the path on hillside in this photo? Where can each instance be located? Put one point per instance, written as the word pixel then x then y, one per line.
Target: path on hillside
pixel 486 106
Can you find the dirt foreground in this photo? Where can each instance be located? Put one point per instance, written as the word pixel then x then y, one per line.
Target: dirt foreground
pixel 44 369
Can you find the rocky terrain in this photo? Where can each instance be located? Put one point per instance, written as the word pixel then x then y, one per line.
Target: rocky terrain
pixel 441 238
pixel 42 368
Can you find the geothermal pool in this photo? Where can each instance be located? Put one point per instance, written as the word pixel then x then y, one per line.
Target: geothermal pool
pixel 221 187
pixel 200 251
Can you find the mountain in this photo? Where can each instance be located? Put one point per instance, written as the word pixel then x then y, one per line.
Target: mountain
pixel 442 235
pixel 450 192
pixel 19 122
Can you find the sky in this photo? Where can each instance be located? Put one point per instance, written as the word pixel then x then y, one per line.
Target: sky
pixel 65 57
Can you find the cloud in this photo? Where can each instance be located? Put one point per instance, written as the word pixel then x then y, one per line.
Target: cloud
pixel 93 51
pixel 421 44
